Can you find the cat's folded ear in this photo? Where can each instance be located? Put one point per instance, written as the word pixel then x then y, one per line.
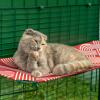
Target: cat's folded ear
pixel 33 32
pixel 29 31
pixel 45 37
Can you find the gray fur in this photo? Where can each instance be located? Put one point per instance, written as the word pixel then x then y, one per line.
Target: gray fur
pixel 36 56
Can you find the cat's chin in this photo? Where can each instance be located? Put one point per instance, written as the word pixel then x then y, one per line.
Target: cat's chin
pixel 36 53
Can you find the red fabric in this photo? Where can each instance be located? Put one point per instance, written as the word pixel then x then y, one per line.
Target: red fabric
pixel 9 70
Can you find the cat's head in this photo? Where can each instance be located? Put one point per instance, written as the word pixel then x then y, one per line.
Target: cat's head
pixel 34 40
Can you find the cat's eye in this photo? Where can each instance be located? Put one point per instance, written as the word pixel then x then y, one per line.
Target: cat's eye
pixel 42 44
pixel 36 41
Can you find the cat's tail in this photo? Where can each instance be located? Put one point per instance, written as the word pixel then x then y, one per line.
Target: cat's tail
pixel 71 67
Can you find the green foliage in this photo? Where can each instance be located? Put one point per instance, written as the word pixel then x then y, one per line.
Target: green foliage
pixel 71 88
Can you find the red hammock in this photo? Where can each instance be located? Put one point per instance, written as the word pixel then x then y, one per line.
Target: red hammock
pixel 90 49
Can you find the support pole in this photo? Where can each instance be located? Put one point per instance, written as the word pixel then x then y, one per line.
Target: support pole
pixel 99 86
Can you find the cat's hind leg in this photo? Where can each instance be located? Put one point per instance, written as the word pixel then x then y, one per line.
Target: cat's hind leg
pixel 71 66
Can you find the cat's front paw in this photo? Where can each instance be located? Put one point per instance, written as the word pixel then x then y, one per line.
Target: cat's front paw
pixel 36 73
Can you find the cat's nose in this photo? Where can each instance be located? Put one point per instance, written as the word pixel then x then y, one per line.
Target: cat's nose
pixel 38 48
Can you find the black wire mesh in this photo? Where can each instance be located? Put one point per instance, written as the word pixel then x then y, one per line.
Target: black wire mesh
pixel 79 87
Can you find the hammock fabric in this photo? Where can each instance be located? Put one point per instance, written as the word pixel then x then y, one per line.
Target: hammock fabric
pixel 90 49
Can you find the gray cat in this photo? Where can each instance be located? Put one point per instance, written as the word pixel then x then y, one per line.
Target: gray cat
pixel 36 56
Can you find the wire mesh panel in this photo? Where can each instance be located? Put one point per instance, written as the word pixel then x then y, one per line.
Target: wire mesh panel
pixel 78 87
pixel 64 21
